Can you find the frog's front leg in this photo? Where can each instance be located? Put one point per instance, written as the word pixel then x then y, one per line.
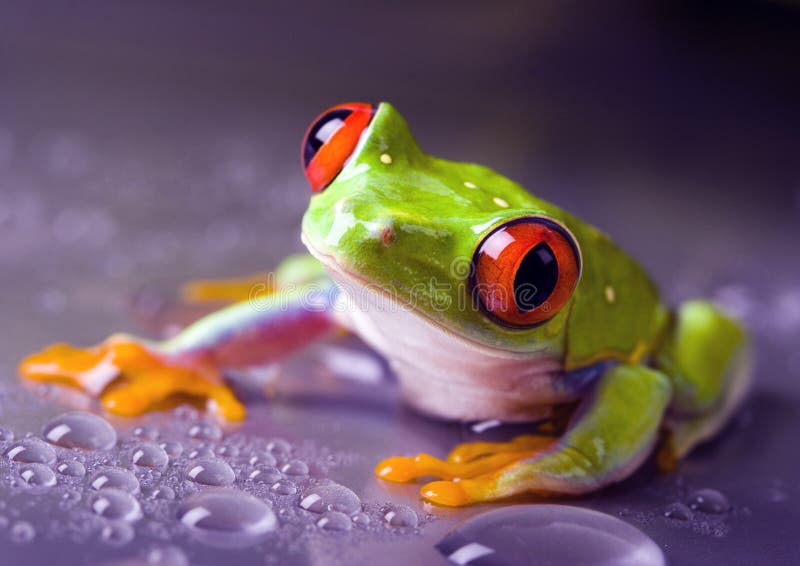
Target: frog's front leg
pixel 612 432
pixel 132 375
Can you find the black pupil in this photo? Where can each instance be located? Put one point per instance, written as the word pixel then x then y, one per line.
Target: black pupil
pixel 321 131
pixel 536 278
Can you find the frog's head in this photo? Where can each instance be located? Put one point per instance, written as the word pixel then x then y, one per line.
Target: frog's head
pixel 465 248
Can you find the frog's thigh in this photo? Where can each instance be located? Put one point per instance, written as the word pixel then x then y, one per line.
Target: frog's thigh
pixel 615 429
pixel 708 362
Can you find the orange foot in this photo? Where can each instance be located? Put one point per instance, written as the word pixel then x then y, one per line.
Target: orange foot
pixel 130 376
pixel 467 468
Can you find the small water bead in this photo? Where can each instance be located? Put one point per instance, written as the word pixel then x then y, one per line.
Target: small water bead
pixel 164 492
pixel 334 521
pixel 150 456
pixel 265 474
pixel 227 451
pixel 284 487
pixel 205 431
pixel 71 468
pixel 115 504
pixel 6 434
pixel 210 471
pixel 678 512
pixel 117 533
pixel 166 556
pixel 553 534
pixel 330 497
pixel 172 448
pixel 361 519
pixel 296 468
pixel 116 478
pixel 279 447
pixel 37 476
pixel 146 432
pixel 201 452
pixel 22 532
pixel 29 451
pixel 401 516
pixel 4 522
pixel 77 429
pixel 262 458
pixel 227 518
pixel 709 501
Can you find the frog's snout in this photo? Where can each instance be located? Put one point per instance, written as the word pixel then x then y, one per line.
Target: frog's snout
pixel 331 139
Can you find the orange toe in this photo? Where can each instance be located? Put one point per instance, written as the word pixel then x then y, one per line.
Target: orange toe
pixel 446 493
pixel 397 469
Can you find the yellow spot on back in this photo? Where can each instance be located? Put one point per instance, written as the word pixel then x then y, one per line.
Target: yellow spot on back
pixel 386 158
pixel 500 202
pixel 470 185
pixel 611 295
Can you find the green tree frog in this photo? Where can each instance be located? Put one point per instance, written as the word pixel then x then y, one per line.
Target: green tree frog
pixel 488 302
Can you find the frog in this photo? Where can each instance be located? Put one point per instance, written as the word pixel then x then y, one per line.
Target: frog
pixel 487 302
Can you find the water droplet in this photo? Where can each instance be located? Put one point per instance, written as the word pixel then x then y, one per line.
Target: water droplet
pixel 334 521
pixel 678 512
pixel 77 429
pixel 330 497
pixel 37 476
pixel 709 501
pixel 227 518
pixel 201 452
pixel 210 471
pixel 554 534
pixel 115 504
pixel 172 448
pixel 279 447
pixel 265 474
pixel 6 434
pixel 228 451
pixel 295 468
pixel 71 468
pixel 117 533
pixel 262 458
pixel 22 532
pixel 116 478
pixel 30 450
pixel 400 516
pixel 150 456
pixel 284 487
pixel 161 492
pixel 361 518
pixel 205 431
pixel 145 432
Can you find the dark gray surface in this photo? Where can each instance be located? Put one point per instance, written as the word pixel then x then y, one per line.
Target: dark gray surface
pixel 152 144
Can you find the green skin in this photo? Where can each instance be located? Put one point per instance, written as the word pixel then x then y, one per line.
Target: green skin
pixel 682 371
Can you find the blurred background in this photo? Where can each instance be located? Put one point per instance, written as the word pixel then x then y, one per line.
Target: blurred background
pixel 147 143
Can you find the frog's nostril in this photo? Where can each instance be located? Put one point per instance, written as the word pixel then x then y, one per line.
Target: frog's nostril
pixel 331 139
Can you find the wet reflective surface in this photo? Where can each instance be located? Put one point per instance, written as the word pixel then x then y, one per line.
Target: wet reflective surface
pixel 125 171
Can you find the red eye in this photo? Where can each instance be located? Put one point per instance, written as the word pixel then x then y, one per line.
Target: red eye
pixel 525 271
pixel 331 139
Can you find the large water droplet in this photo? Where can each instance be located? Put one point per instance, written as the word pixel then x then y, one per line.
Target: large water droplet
pixel 37 476
pixel 296 468
pixel 678 512
pixel 115 504
pixel 265 474
pixel 553 534
pixel 116 478
pixel 262 459
pixel 227 518
pixel 210 471
pixel 709 501
pixel 150 456
pixel 330 497
pixel 30 450
pixel 77 429
pixel 284 487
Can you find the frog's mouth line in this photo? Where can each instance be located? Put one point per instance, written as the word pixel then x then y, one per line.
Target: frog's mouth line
pixel 333 265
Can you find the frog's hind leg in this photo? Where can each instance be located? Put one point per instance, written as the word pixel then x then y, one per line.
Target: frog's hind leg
pixel 708 360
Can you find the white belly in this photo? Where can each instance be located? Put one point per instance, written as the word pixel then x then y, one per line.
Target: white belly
pixel 445 375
